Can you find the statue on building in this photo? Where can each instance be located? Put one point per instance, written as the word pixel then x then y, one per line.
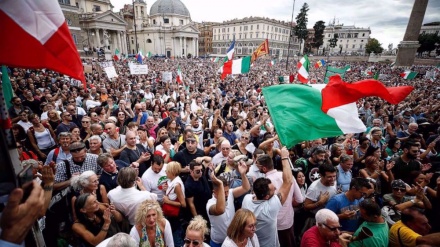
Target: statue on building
pixel 106 38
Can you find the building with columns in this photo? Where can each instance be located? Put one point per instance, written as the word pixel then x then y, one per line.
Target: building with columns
pixel 351 39
pixel 94 25
pixel 167 31
pixel 250 32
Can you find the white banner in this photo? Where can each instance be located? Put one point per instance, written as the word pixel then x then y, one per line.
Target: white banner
pixel 167 76
pixel 111 72
pixel 138 69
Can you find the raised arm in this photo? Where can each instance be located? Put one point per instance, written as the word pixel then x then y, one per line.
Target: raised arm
pixel 287 175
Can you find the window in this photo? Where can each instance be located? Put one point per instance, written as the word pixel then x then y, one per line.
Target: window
pixel 329 35
pixel 228 29
pixel 96 8
pixel 256 35
pixel 233 29
pixel 245 36
pixel 240 36
pixel 166 20
pixel 362 40
pixel 181 22
pixel 223 30
pixel 148 40
pixel 354 46
pixel 363 35
pixel 154 22
pixel 240 28
pixel 251 36
pixel 258 26
pixel 360 46
pixel 252 27
pixel 64 2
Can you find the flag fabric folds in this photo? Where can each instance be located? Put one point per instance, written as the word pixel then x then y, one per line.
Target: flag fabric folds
pixel 335 71
pixel 303 69
pixel 116 56
pixel 238 66
pixel 376 75
pixel 149 54
pixel 139 57
pixel 307 112
pixel 35 34
pixel 408 75
pixel 8 93
pixel 262 49
pixel 320 63
pixel 231 50
pixel 179 75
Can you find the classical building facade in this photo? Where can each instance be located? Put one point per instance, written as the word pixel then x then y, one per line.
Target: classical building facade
pixel 432 27
pixel 205 38
pixel 168 29
pixel 94 25
pixel 249 33
pixel 351 39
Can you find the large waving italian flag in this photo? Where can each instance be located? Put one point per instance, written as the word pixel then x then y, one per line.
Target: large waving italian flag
pixel 408 75
pixel 307 112
pixel 34 34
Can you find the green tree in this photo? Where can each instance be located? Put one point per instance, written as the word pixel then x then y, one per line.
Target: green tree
pixel 301 24
pixel 373 45
pixel 428 42
pixel 333 41
pixel 319 33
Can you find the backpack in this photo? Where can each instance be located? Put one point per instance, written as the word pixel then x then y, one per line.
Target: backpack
pixel 299 162
pixel 55 155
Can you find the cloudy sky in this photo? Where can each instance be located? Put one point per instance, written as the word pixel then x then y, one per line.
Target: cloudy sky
pixel 387 19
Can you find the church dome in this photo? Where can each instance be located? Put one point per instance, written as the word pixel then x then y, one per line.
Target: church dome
pixel 169 7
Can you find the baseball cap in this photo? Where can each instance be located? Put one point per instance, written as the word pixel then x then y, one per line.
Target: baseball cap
pixel 174 109
pixel 398 183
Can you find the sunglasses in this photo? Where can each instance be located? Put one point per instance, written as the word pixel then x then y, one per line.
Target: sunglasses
pixel 333 229
pixel 85 122
pixel 197 171
pixel 399 189
pixel 189 241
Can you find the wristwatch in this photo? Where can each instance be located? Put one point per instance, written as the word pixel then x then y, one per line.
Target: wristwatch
pixel 413 201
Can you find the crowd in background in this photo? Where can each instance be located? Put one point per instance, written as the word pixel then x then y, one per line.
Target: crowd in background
pixel 200 163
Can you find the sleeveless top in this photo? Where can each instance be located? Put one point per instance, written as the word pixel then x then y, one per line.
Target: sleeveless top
pixel 158 240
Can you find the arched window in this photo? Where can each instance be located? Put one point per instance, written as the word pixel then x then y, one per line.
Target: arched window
pixel 148 40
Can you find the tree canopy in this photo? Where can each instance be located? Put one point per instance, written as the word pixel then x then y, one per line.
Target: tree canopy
pixel 319 33
pixel 373 45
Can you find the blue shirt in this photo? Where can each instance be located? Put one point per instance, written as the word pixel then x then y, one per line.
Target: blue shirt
pixel 339 203
pixel 343 179
pixel 230 137
pixel 143 119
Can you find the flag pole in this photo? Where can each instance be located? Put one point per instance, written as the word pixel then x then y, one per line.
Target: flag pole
pixel 291 36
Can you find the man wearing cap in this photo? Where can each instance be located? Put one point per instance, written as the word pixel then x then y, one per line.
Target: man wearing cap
pixel 174 115
pixel 80 162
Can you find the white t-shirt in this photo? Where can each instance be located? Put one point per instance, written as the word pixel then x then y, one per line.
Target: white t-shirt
pixel 152 180
pixel 315 190
pixel 168 234
pixel 128 200
pixel 220 223
pixel 253 242
pixel 266 212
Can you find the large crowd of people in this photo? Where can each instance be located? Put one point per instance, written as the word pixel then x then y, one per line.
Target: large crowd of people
pixel 139 161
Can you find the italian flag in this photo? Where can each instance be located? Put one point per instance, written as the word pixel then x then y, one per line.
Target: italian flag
pixel 116 56
pixel 272 63
pixel 303 69
pixel 307 112
pixel 408 75
pixel 34 34
pixel 233 67
pixel 179 75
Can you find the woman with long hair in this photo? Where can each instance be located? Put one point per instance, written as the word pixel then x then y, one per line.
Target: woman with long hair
pixel 173 131
pixel 53 118
pixel 92 225
pixel 376 172
pixel 19 133
pixel 241 231
pixel 151 228
pixel 394 147
pixel 41 137
pixel 75 134
pixel 175 196
pixel 161 132
pixel 121 122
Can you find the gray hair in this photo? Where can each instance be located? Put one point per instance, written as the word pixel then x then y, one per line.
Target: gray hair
pixel 325 214
pixel 122 240
pixel 81 181
pixel 95 137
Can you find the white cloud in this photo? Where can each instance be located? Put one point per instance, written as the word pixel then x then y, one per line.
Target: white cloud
pixel 386 19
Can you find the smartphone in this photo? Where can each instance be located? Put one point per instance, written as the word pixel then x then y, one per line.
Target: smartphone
pixel 25 175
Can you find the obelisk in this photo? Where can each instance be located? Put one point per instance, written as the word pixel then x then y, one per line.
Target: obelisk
pixel 408 47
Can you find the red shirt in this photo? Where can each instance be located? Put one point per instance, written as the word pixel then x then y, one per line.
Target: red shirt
pixel 312 238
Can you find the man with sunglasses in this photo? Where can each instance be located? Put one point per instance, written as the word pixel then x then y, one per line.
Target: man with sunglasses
pixel 346 205
pixel 80 162
pixel 66 123
pixel 326 232
pixel 189 153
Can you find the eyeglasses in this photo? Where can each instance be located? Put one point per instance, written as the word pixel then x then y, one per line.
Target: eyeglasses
pixel 253 226
pixel 67 115
pixel 398 142
pixel 197 171
pixel 189 241
pixel 333 229
pixel 85 122
pixel 399 189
